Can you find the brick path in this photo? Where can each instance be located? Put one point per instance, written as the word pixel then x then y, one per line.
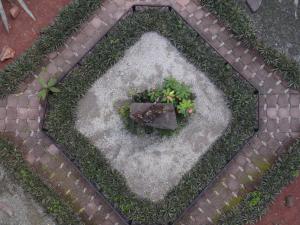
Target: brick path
pixel 279 115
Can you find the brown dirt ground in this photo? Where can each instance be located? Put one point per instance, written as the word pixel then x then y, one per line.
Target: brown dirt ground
pixel 23 30
pixel 278 213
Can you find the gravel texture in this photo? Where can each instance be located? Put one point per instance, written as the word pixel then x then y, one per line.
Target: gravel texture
pixel 151 165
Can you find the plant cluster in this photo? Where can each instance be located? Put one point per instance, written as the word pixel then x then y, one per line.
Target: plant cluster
pixel 47 87
pixel 171 91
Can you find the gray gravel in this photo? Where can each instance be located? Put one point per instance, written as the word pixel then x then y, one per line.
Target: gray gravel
pixel 151 165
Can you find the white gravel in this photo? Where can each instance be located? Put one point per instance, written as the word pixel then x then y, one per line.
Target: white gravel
pixel 151 165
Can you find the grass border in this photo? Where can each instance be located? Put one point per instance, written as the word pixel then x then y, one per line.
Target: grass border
pixel 53 37
pixel 60 119
pixel 14 164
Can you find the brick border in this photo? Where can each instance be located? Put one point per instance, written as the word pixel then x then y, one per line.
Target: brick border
pixel 21 116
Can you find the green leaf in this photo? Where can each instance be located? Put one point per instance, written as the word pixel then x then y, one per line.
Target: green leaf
pixel 54 89
pixel 43 94
pixel 51 82
pixel 42 82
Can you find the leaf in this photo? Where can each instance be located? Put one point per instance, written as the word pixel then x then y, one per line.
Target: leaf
pixel 54 89
pixel 27 10
pixel 42 82
pixel 3 16
pixel 51 82
pixel 43 94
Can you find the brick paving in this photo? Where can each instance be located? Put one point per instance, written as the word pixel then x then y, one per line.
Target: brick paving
pixel 21 116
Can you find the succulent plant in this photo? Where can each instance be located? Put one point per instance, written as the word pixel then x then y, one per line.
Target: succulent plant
pixel 3 15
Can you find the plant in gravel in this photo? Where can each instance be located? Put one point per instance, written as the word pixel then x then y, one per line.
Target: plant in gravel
pixel 186 107
pixel 47 87
pixel 3 15
pixel 172 92
pixel 168 95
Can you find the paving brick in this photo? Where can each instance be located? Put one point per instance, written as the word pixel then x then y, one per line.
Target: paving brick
pixel 183 2
pixel 295 112
pixel 11 113
pixel 2 125
pixel 271 100
pixel 284 125
pixel 295 99
pixel 2 113
pixel 284 112
pixel 12 101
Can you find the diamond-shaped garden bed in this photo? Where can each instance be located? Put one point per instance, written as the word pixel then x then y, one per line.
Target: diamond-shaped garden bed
pixel 192 173
pixel 152 165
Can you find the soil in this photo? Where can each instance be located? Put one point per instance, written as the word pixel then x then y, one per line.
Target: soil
pixel 23 30
pixel 278 213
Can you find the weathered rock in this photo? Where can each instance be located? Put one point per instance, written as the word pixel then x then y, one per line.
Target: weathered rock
pixel 157 115
pixel 289 201
pixel 7 53
pixel 254 4
pixel 14 11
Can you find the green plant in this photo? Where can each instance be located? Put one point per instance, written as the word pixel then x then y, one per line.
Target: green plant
pixel 182 91
pixel 154 95
pixel 255 198
pixel 3 15
pixel 168 95
pixel 47 87
pixel 186 107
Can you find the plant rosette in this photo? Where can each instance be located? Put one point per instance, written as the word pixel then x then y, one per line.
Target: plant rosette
pixel 172 92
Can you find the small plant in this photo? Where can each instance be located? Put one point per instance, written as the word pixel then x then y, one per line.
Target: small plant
pixel 186 107
pixel 255 198
pixel 47 87
pixel 169 96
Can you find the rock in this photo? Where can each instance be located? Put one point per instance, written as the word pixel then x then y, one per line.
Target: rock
pixel 254 4
pixel 7 53
pixel 289 201
pixel 14 11
pixel 157 115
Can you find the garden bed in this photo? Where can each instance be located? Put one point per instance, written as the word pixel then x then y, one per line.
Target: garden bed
pixel 60 118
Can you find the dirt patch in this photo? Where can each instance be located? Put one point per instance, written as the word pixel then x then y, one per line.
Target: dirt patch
pixel 17 207
pixel 277 23
pixel 23 30
pixel 278 213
